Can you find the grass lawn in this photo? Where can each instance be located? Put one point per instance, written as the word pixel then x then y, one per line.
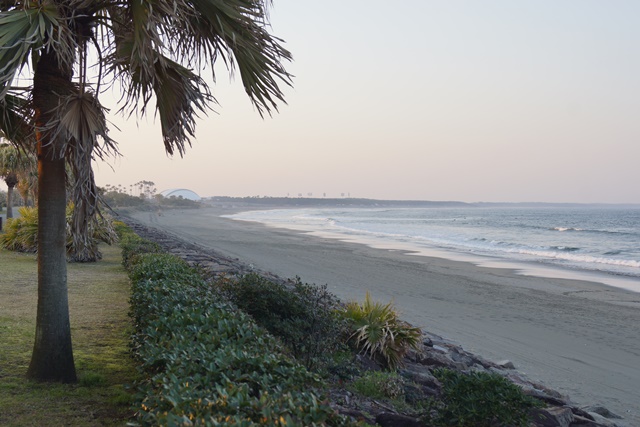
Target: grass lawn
pixel 98 300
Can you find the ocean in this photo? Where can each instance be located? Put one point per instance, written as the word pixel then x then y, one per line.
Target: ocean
pixel 589 243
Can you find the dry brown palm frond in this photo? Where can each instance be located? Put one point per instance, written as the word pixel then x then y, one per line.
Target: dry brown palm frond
pixel 82 126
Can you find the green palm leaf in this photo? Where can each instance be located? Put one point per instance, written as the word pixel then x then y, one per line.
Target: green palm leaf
pixel 15 124
pixel 28 28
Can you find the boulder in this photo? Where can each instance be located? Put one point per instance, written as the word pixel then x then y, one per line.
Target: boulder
pixel 602 421
pixel 506 364
pixel 552 417
pixel 601 410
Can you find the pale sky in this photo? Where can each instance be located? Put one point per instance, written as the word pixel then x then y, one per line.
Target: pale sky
pixel 476 100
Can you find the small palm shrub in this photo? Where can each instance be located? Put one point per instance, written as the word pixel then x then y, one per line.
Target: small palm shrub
pixel 480 399
pixel 378 332
pixel 304 316
pixel 21 235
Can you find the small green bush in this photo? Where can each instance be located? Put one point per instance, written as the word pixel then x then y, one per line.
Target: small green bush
pixel 480 399
pixel 380 385
pixel 133 245
pixel 21 233
pixel 305 317
pixel 378 332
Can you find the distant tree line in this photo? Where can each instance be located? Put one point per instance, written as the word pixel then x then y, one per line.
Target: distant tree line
pixel 122 197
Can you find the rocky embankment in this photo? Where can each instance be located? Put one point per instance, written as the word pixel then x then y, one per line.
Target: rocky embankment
pixel 435 352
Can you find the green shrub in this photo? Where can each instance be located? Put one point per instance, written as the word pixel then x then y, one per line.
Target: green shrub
pixel 207 363
pixel 303 316
pixel 480 399
pixel 21 235
pixel 380 385
pixel 133 245
pixel 378 332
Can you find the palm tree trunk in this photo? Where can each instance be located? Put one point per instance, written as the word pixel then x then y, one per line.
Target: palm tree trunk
pixel 52 358
pixel 9 201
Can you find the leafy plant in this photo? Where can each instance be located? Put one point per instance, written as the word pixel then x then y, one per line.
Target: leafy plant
pixel 378 332
pixel 380 385
pixel 480 399
pixel 21 235
pixel 303 316
pixel 133 245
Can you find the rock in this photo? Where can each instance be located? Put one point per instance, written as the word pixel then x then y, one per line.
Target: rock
pixel 602 421
pixel 386 419
pixel 420 376
pixel 440 349
pixel 367 364
pixel 601 410
pixel 462 358
pixel 435 359
pixel 577 412
pixel 506 364
pixel 579 421
pixel 546 398
pixel 552 417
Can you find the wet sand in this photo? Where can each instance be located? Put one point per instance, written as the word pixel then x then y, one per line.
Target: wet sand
pixel 577 337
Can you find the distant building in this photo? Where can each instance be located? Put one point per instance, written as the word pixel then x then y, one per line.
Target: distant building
pixel 181 192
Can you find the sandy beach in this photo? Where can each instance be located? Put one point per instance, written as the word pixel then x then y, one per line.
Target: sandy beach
pixel 580 338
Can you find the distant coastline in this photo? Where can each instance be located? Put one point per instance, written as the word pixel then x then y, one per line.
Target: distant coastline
pixel 283 202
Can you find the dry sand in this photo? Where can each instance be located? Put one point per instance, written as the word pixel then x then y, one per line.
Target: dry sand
pixel 579 338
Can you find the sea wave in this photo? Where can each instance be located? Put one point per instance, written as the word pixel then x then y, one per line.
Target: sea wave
pixel 493 236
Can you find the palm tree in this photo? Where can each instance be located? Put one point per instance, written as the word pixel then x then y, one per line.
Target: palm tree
pixel 13 167
pixel 150 50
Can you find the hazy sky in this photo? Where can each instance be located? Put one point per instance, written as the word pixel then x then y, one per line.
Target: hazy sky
pixel 477 100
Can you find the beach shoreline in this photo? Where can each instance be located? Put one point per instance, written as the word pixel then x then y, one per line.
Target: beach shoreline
pixel 577 337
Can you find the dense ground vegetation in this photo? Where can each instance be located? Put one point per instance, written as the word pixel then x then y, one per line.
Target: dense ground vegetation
pixel 205 362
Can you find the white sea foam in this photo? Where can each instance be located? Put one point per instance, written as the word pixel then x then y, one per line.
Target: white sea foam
pixel 599 240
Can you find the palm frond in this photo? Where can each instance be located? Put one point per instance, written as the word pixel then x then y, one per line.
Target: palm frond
pixel 152 39
pixel 180 94
pixel 81 123
pixel 15 123
pixel 237 31
pixel 34 26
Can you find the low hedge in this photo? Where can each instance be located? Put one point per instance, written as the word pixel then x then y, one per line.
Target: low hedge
pixel 305 317
pixel 206 363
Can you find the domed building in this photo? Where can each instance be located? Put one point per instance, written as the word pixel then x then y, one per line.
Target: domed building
pixel 181 192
